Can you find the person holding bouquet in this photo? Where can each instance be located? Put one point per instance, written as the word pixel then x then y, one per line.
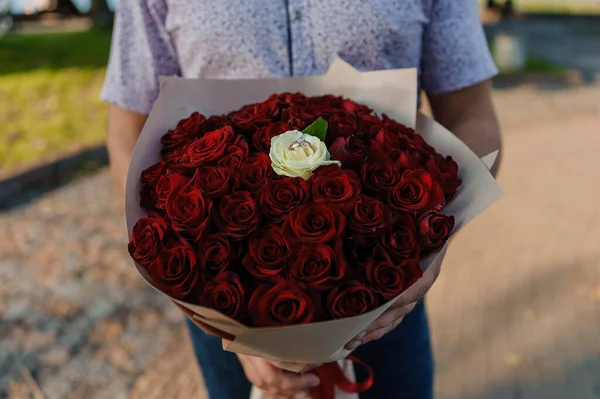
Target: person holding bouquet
pixel 265 38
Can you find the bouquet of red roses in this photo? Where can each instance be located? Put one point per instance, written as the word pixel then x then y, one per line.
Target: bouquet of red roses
pixel 293 210
pixel 252 214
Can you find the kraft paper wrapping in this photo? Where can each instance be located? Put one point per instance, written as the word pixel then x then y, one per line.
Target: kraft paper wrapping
pixel 393 92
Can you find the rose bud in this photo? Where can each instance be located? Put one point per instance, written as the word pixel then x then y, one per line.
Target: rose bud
pixel 401 241
pixel 251 117
pixel 189 209
pixel 317 266
pixel 416 192
pixel 350 299
pixel 386 278
pixel 445 172
pixel 317 221
pixel 261 140
pixel 256 171
pixel 217 182
pixel 235 154
pixel 187 130
pixel 369 218
pixel 175 271
pixel 147 238
pixel 218 253
pixel 207 148
pixel 380 177
pixel 434 229
pixel 342 124
pixel 225 293
pixel 166 184
pixel 350 151
pixel 279 197
pixel 267 254
pixel 238 215
pixel 149 181
pixel 283 304
pixel 340 187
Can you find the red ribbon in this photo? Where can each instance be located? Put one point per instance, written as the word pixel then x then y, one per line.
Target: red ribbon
pixel 332 375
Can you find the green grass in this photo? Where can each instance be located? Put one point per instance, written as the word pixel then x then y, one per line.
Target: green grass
pixel 535 65
pixel 567 7
pixel 49 87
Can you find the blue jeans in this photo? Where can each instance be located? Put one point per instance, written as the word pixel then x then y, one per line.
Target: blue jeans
pixel 401 361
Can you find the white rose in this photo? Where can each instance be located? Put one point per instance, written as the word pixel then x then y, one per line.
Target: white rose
pixel 298 160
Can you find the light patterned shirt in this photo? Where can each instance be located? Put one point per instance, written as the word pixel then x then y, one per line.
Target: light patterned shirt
pixel 444 39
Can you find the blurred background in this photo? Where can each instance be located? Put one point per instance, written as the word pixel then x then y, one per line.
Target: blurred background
pixel 514 315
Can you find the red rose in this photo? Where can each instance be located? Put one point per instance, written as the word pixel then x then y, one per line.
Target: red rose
pixel 445 172
pixel 175 271
pixel 238 215
pixel 350 299
pixel 217 182
pixel 368 123
pixel 350 151
pixel 317 221
pixel 369 218
pixel 255 171
pixel 380 177
pixel 332 183
pixel 208 148
pixel 279 197
pixel 401 241
pixel 283 304
pixel 214 122
pixel 396 127
pixel 235 154
pixel 386 278
pixel 351 106
pixel 175 156
pixel 167 183
pixel 416 192
pixel 187 130
pixel 267 253
pixel 147 238
pixel 434 229
pixel 301 116
pixel 253 116
pixel 225 294
pixel 417 143
pixel 189 209
pixel 341 123
pixel 218 253
pixel 325 101
pixel 285 99
pixel 388 143
pixel 149 181
pixel 261 140
pixel 409 160
pixel 317 266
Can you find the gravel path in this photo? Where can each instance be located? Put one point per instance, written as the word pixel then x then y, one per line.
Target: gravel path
pixel 519 319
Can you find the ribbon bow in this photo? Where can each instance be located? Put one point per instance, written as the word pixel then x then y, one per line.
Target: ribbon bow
pixel 332 375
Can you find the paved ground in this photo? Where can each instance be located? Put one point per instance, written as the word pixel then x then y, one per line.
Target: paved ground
pixel 515 314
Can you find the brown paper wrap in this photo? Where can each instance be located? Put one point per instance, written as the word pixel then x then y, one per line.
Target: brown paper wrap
pixel 393 92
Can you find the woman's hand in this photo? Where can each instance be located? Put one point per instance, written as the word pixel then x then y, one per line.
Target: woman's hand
pixel 279 384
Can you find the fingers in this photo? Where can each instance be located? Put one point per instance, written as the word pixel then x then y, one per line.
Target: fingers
pixel 419 288
pixel 380 332
pixel 275 382
pixel 384 324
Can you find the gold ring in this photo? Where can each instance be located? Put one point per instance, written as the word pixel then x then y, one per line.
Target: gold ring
pixel 294 145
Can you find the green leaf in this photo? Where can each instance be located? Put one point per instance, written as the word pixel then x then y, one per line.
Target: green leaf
pixel 317 129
